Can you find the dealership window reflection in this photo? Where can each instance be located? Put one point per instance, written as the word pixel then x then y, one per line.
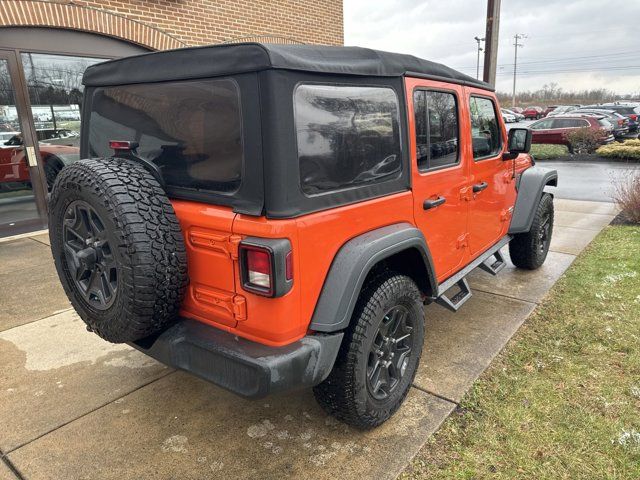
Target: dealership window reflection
pixel 55 92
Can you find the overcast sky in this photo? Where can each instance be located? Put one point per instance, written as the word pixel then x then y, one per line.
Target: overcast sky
pixel 575 43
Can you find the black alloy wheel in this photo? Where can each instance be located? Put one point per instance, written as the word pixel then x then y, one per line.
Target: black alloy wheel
pixel 379 355
pixel 389 353
pixel 544 233
pixel 89 254
pixel 529 250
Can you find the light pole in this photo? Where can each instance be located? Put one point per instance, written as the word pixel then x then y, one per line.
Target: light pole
pixel 478 39
pixel 516 45
pixel 491 42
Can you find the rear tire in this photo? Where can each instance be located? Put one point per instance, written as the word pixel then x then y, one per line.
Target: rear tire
pixel 117 247
pixel 529 250
pixel 379 355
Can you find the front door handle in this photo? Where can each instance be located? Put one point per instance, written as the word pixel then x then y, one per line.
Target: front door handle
pixel 429 204
pixel 478 187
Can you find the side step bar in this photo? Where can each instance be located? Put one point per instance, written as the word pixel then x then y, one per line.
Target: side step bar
pixel 491 260
pixel 494 264
pixel 456 301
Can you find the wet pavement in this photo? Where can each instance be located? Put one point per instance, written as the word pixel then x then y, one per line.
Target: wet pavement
pixel 589 180
pixel 73 406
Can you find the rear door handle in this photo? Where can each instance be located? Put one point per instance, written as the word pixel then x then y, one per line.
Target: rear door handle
pixel 478 187
pixel 429 204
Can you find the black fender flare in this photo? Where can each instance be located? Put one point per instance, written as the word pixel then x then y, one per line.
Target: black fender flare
pixel 530 187
pixel 352 264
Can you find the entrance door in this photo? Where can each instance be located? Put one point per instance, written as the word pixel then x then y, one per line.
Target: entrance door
pixel 22 192
pixel 439 172
pixel 490 176
pixel 40 113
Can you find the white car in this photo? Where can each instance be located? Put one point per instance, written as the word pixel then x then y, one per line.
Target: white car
pixel 517 116
pixel 508 117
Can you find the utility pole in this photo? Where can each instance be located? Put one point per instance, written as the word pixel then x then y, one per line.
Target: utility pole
pixel 516 45
pixel 491 43
pixel 478 39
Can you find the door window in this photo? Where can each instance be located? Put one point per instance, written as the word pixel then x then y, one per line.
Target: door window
pixel 485 128
pixel 55 90
pixel 436 120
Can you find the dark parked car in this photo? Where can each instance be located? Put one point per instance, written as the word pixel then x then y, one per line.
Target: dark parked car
pixel 629 110
pixel 550 109
pixel 555 130
pixel 533 112
pixel 620 122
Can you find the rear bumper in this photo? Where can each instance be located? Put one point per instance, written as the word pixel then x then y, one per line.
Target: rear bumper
pixel 246 368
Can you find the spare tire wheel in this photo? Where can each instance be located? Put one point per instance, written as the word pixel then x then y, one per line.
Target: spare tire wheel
pixel 117 247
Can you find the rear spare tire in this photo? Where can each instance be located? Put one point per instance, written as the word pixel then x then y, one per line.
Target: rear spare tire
pixel 117 247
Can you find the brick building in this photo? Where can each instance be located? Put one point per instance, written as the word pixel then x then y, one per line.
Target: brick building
pixel 45 45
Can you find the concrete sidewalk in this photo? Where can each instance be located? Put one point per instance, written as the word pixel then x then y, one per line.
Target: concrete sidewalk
pixel 73 406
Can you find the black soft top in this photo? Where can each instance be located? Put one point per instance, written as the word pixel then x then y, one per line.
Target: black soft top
pixel 219 60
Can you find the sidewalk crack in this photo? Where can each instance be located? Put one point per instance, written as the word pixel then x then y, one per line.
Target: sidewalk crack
pixel 11 466
pixel 437 395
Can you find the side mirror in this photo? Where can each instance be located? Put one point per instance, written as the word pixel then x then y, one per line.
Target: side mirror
pixel 519 141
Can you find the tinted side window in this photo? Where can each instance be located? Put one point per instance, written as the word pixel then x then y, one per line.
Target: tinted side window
pixel 485 129
pixel 190 129
pixel 347 136
pixel 436 118
pixel 542 125
pixel 570 123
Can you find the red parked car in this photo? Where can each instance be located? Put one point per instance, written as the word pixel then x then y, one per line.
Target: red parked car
pixel 549 109
pixel 554 130
pixel 14 172
pixel 533 113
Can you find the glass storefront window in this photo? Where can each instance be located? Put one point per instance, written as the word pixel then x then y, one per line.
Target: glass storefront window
pixel 17 203
pixel 55 90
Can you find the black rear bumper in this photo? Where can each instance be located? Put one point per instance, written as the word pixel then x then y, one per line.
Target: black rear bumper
pixel 247 368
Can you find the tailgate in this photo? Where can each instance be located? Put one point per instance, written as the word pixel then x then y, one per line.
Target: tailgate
pixel 212 257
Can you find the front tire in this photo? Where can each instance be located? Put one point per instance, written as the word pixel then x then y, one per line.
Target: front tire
pixel 379 355
pixel 529 250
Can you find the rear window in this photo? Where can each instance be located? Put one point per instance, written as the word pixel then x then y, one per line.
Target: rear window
pixel 190 129
pixel 347 136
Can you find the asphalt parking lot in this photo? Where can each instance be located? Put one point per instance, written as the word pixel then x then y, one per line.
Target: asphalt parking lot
pixel 73 406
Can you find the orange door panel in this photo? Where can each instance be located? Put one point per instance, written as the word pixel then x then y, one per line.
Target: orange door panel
pixel 443 220
pixel 489 174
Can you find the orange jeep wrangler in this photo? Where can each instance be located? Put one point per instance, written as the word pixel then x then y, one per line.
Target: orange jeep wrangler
pixel 270 217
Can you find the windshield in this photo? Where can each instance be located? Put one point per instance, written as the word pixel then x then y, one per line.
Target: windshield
pixel 190 129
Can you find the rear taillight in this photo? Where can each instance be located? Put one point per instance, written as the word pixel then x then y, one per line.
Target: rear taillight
pixel 633 117
pixel 266 266
pixel 258 269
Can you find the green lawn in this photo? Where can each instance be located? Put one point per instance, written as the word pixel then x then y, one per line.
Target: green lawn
pixel 548 152
pixel 563 399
